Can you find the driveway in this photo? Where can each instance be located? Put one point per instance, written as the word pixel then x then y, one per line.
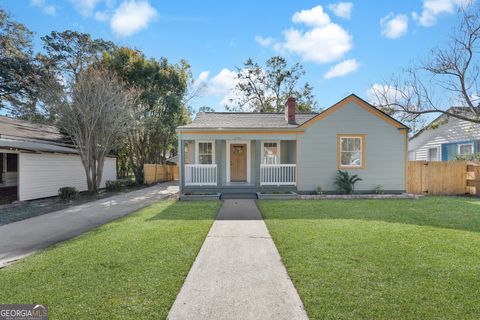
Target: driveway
pixel 22 238
pixel 238 273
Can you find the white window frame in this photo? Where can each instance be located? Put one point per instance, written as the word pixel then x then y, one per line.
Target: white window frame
pixel 412 155
pixel 249 160
pixel 465 144
pixel 278 148
pixel 197 150
pixel 362 151
pixel 438 153
pixel 4 169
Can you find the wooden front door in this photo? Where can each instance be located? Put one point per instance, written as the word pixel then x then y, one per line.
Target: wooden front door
pixel 238 162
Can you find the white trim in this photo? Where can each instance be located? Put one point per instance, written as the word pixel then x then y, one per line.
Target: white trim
pixel 227 164
pixel 278 150
pixel 412 155
pixel 439 150
pixel 201 174
pixel 347 166
pixel 465 144
pixel 180 162
pixel 197 150
pixel 18 175
pixel 278 174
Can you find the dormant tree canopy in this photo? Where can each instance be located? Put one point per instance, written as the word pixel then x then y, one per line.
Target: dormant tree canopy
pixel 95 114
pixel 448 77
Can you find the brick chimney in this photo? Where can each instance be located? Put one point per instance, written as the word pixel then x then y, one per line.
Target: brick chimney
pixel 290 106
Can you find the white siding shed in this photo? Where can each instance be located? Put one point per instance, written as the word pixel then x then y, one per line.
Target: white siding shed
pixel 40 175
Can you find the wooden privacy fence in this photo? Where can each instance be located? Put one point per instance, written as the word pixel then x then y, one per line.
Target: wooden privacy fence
pixel 153 173
pixel 443 178
pixel 473 178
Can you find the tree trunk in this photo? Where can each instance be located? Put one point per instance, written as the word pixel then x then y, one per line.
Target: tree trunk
pixel 93 172
pixel 100 164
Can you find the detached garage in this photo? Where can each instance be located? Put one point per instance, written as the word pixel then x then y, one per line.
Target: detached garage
pixel 35 161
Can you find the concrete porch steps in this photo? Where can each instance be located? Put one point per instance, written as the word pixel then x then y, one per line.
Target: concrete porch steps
pixel 233 195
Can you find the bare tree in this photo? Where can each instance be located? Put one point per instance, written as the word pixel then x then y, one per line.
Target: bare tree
pixel 96 115
pixel 449 77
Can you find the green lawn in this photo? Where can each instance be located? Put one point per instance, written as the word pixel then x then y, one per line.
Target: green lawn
pixel 381 259
pixel 131 268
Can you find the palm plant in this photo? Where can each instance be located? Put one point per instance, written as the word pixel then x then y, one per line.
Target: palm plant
pixel 346 182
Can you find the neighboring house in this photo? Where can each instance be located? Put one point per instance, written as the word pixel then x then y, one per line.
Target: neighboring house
pixel 172 160
pixel 445 138
pixel 35 161
pixel 233 152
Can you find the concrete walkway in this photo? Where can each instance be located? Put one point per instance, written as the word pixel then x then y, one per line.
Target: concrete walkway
pixel 22 238
pixel 238 273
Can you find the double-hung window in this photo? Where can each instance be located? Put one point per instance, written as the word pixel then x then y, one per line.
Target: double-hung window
pixel 205 152
pixel 270 152
pixel 465 150
pixel 351 151
pixel 433 154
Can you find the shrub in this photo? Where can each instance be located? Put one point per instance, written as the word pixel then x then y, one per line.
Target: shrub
pixel 114 185
pixel 378 190
pixel 346 182
pixel 119 185
pixel 468 157
pixel 68 193
pixel 319 190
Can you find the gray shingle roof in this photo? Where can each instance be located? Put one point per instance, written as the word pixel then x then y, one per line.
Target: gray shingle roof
pixel 24 135
pixel 35 146
pixel 29 130
pixel 245 120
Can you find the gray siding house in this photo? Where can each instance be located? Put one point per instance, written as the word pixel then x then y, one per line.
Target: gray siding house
pixel 231 152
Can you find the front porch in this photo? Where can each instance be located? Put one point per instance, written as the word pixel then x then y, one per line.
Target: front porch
pixel 238 165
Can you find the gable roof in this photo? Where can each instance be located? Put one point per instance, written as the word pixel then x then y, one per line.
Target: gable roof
pixel 454 109
pixel 245 120
pixel 257 120
pixel 359 101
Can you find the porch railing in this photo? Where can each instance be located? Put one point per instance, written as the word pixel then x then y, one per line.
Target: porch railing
pixel 200 174
pixel 278 174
